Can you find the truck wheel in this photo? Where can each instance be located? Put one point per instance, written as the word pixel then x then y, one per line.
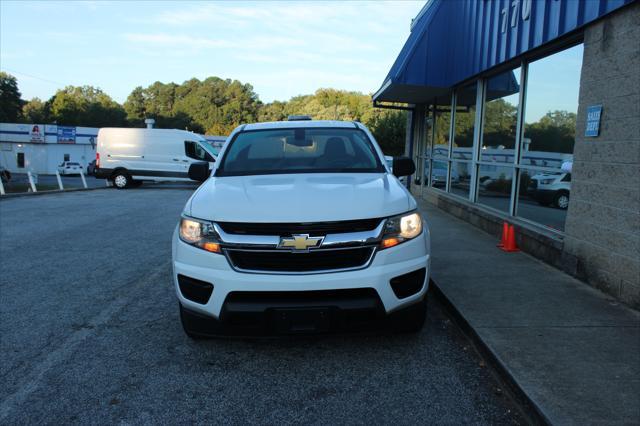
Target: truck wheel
pixel 121 179
pixel 411 319
pixel 561 200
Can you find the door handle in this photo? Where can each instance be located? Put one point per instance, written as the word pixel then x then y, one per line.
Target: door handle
pixel 175 159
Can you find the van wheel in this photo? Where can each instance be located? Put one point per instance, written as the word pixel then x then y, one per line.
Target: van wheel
pixel 411 319
pixel 121 179
pixel 561 200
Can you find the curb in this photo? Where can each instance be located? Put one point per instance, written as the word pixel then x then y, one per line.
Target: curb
pixel 53 191
pixel 57 191
pixel 535 412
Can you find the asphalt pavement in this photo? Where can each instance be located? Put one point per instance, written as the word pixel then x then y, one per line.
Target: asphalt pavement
pixel 20 182
pixel 90 334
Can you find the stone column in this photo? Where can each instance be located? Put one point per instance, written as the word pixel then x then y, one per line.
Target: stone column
pixel 602 243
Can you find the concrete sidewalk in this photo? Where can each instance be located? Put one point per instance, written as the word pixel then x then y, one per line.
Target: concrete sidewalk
pixel 573 351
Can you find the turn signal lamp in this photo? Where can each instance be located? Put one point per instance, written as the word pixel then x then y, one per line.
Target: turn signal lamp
pixel 389 242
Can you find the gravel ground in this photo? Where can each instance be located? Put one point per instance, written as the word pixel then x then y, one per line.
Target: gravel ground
pixel 90 334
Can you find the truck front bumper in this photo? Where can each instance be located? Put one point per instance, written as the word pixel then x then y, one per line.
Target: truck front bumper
pixel 371 287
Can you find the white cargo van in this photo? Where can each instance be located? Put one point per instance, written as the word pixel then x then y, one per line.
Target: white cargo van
pixel 129 156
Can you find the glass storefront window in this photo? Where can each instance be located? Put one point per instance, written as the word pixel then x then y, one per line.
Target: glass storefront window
pixel 465 119
pixel 543 167
pixel 553 84
pixel 422 163
pixel 460 180
pixel 494 186
pixel 543 197
pixel 500 117
pixel 441 141
pixel 440 165
pixel 438 173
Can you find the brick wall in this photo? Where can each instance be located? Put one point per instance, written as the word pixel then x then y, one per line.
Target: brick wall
pixel 603 221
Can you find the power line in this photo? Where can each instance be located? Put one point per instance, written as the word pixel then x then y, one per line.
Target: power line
pixel 33 76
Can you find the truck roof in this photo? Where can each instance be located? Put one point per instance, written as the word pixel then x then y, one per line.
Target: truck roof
pixel 298 124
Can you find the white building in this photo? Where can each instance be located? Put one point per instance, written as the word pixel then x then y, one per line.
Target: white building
pixel 40 148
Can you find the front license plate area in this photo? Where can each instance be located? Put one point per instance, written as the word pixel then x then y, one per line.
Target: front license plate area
pixel 297 321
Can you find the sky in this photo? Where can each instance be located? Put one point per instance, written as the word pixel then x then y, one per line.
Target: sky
pixel 282 49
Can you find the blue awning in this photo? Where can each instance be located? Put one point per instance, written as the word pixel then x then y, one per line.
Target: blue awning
pixel 453 41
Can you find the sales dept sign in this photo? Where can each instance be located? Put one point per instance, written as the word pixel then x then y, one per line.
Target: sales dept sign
pixel 594 112
pixel 66 134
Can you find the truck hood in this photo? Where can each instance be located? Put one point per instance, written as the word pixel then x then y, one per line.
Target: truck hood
pixel 300 198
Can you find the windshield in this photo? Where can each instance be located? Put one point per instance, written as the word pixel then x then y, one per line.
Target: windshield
pixel 209 148
pixel 302 150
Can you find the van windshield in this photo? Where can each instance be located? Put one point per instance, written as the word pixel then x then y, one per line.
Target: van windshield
pixel 301 150
pixel 211 150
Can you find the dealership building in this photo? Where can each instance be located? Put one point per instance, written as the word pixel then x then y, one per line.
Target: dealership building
pixel 528 111
pixel 40 148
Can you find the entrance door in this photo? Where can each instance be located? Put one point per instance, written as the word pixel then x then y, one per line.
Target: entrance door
pixel 20 159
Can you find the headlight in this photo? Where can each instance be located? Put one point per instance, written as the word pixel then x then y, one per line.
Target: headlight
pixel 401 228
pixel 199 234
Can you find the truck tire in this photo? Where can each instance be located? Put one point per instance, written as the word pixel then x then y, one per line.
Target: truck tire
pixel 411 319
pixel 561 200
pixel 121 179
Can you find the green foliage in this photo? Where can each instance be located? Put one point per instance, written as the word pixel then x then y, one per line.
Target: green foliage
pixel 10 98
pixel 500 119
pixel 465 121
pixel 85 106
pixel 387 126
pixel 554 132
pixel 35 111
pixel 213 105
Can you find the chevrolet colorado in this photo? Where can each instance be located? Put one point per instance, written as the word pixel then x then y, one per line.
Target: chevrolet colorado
pixel 300 227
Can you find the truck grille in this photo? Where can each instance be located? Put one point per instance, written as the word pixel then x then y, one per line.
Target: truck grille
pixel 286 261
pixel 286 229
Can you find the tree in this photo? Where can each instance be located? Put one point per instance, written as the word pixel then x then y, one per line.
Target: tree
pixel 10 99
pixel 500 124
pixel 275 111
pixel 554 132
pixel 86 106
pixel 214 105
pixel 35 111
pixel 389 127
pixel 135 107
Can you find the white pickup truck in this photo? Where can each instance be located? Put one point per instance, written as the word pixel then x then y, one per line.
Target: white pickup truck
pixel 301 227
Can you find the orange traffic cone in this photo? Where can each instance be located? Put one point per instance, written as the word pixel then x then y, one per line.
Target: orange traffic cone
pixel 510 245
pixel 505 231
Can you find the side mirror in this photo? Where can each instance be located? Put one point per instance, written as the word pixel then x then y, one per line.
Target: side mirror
pixel 403 166
pixel 199 171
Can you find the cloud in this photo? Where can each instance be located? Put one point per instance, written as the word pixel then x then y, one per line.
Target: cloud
pixel 177 40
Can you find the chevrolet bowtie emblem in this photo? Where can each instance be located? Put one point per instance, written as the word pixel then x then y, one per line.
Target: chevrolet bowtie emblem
pixel 300 242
